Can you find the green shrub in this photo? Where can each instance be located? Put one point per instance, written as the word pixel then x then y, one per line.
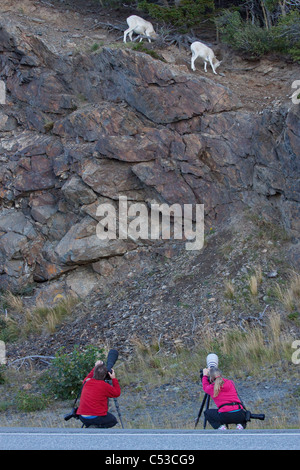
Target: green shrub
pixel 95 47
pixel 5 405
pixel 142 48
pixel 229 22
pixel 2 374
pixel 286 35
pixel 247 38
pixel 9 330
pixel 255 40
pixel 68 371
pixel 30 402
pixel 187 14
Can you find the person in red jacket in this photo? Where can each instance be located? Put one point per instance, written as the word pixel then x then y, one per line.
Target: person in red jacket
pixel 230 409
pixel 93 405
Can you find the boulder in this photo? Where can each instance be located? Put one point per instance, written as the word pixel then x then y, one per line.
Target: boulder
pixel 162 93
pixel 77 192
pixel 81 244
pixel 111 179
pixel 83 282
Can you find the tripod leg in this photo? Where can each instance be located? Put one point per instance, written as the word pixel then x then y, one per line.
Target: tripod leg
pixel 118 411
pixel 201 409
pixel 207 406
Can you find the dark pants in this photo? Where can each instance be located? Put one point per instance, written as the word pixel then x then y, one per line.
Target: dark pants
pixel 216 419
pixel 107 421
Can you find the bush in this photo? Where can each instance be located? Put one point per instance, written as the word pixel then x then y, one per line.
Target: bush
pixel 187 14
pixel 286 35
pixel 68 371
pixel 255 41
pixel 228 23
pixel 247 38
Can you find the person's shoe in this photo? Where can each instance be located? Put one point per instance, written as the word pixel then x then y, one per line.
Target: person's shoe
pixel 223 427
pixel 239 427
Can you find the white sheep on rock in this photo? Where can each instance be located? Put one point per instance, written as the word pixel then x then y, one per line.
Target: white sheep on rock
pixel 139 26
pixel 206 53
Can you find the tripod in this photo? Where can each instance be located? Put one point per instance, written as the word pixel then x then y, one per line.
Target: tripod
pixel 207 400
pixel 119 412
pixel 117 406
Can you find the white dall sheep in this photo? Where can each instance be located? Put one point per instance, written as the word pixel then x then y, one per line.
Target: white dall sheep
pixel 139 26
pixel 201 50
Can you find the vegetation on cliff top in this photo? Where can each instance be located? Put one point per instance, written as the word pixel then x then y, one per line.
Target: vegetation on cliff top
pixel 253 27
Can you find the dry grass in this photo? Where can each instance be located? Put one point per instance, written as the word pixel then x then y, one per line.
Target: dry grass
pixel 255 281
pixel 241 352
pixel 44 317
pixel 253 284
pixel 20 321
pixel 229 290
pixel 290 296
pixel 13 302
pixel 251 350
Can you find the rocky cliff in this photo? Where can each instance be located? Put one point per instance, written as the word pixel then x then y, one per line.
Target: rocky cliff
pixel 83 129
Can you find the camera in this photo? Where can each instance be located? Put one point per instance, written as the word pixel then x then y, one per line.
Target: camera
pixel 212 360
pixel 71 415
pixel 111 359
pixel 250 416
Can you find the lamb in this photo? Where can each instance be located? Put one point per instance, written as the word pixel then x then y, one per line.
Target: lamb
pixel 201 50
pixel 139 26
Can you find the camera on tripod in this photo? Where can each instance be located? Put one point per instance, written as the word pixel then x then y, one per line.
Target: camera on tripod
pixel 212 360
pixel 111 359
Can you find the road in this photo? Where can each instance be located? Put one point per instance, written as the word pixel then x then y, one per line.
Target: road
pixel 140 440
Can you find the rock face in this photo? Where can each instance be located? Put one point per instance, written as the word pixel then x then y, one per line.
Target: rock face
pixel 78 132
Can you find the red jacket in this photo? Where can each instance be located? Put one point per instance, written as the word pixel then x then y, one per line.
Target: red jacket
pixel 95 394
pixel 227 394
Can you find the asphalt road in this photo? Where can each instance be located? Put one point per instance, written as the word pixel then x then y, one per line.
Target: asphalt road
pixel 140 440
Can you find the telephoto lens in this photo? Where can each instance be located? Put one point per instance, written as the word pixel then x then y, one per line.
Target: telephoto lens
pixel 212 360
pixel 111 359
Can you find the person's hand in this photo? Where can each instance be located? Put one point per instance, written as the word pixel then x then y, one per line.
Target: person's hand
pixel 112 374
pixel 206 372
pixel 98 363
